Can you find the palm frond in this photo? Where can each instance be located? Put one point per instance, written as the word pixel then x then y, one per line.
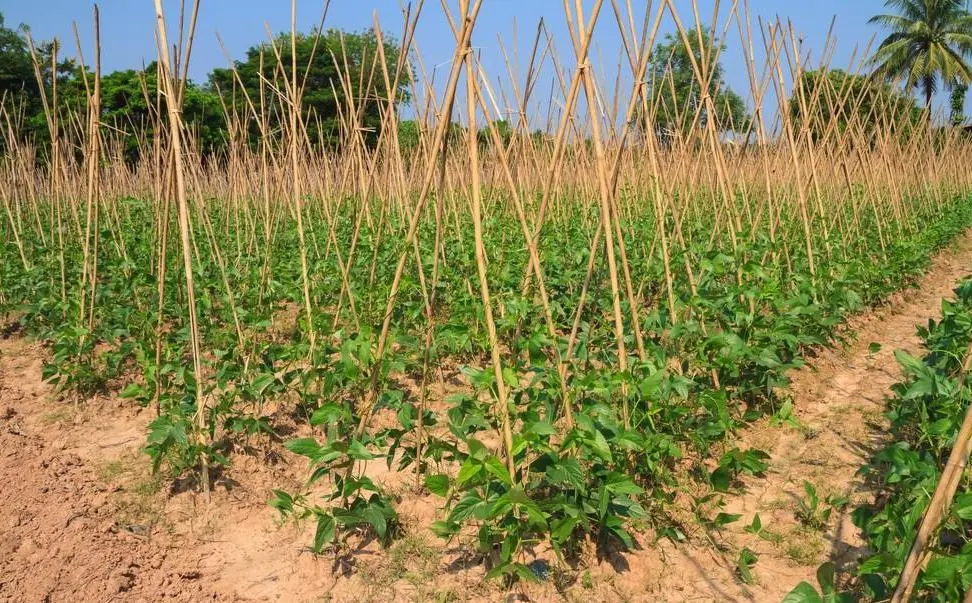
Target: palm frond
pixel 929 41
pixel 895 23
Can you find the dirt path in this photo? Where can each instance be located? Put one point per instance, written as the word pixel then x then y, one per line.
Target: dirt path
pixel 83 519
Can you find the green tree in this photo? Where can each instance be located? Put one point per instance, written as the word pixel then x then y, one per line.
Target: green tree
pixel 957 104
pixel 930 41
pixel 409 135
pixel 503 128
pixel 675 89
pixel 125 98
pixel 18 83
pixel 835 98
pixel 16 71
pixel 323 92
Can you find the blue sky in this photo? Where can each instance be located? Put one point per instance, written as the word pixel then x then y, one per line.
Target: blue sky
pixel 128 28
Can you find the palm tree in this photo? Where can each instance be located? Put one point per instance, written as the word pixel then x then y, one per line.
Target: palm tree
pixel 929 39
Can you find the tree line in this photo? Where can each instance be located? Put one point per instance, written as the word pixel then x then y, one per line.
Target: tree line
pixel 928 46
pixel 330 62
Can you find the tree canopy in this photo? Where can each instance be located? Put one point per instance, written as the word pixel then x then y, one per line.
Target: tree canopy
pixel 677 92
pixel 837 99
pixel 334 64
pixel 125 104
pixel 18 82
pixel 128 97
pixel 930 41
pixel 956 104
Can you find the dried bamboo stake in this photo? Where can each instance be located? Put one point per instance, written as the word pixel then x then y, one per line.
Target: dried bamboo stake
pixel 560 139
pixel 295 105
pixel 442 128
pixel 50 116
pixel 6 196
pixel 533 252
pixel 92 159
pixel 605 198
pixel 804 104
pixel 633 304
pixel 639 65
pixel 758 90
pixel 175 132
pixel 502 403
pixel 534 262
pixel 800 183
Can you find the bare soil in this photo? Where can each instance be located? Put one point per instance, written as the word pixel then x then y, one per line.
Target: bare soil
pixel 83 519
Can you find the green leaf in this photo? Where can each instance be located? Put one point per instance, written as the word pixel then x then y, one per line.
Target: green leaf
pixel 562 530
pixel 600 446
pixel 519 570
pixel 747 559
pixel 132 390
pixel 282 502
pixel 304 447
pixel 477 449
pixel 358 451
pixel 466 506
pixel 437 484
pixel 498 469
pixel 943 569
pixel 445 529
pixel 324 534
pixel 542 428
pixel 501 569
pixel 524 573
pixel 509 377
pixel 721 479
pixel 469 470
pixel 376 518
pixel 566 472
pixel 826 574
pixel 262 382
pixel 622 485
pixel 803 593
pixel 911 364
pixel 329 413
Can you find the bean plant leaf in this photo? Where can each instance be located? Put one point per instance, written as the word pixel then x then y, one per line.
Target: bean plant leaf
pixel 469 470
pixel 304 447
pixel 437 484
pixel 324 534
pixel 803 593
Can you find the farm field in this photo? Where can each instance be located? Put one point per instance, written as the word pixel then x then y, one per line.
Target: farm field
pixel 650 341
pixel 88 490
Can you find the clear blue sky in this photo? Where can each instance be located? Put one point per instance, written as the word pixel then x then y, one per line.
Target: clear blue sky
pixel 128 28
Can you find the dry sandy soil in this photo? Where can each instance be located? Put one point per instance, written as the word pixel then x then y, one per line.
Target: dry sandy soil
pixel 83 519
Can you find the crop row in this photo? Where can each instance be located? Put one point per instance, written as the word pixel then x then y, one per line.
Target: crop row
pixel 925 413
pixel 595 447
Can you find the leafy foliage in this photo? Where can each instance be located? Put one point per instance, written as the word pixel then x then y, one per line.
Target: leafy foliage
pixel 131 103
pixel 326 81
pixel 930 40
pixel 674 88
pixel 834 101
pixel 925 413
pixel 595 479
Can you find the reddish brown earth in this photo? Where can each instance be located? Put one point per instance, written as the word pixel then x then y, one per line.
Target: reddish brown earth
pixel 83 519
